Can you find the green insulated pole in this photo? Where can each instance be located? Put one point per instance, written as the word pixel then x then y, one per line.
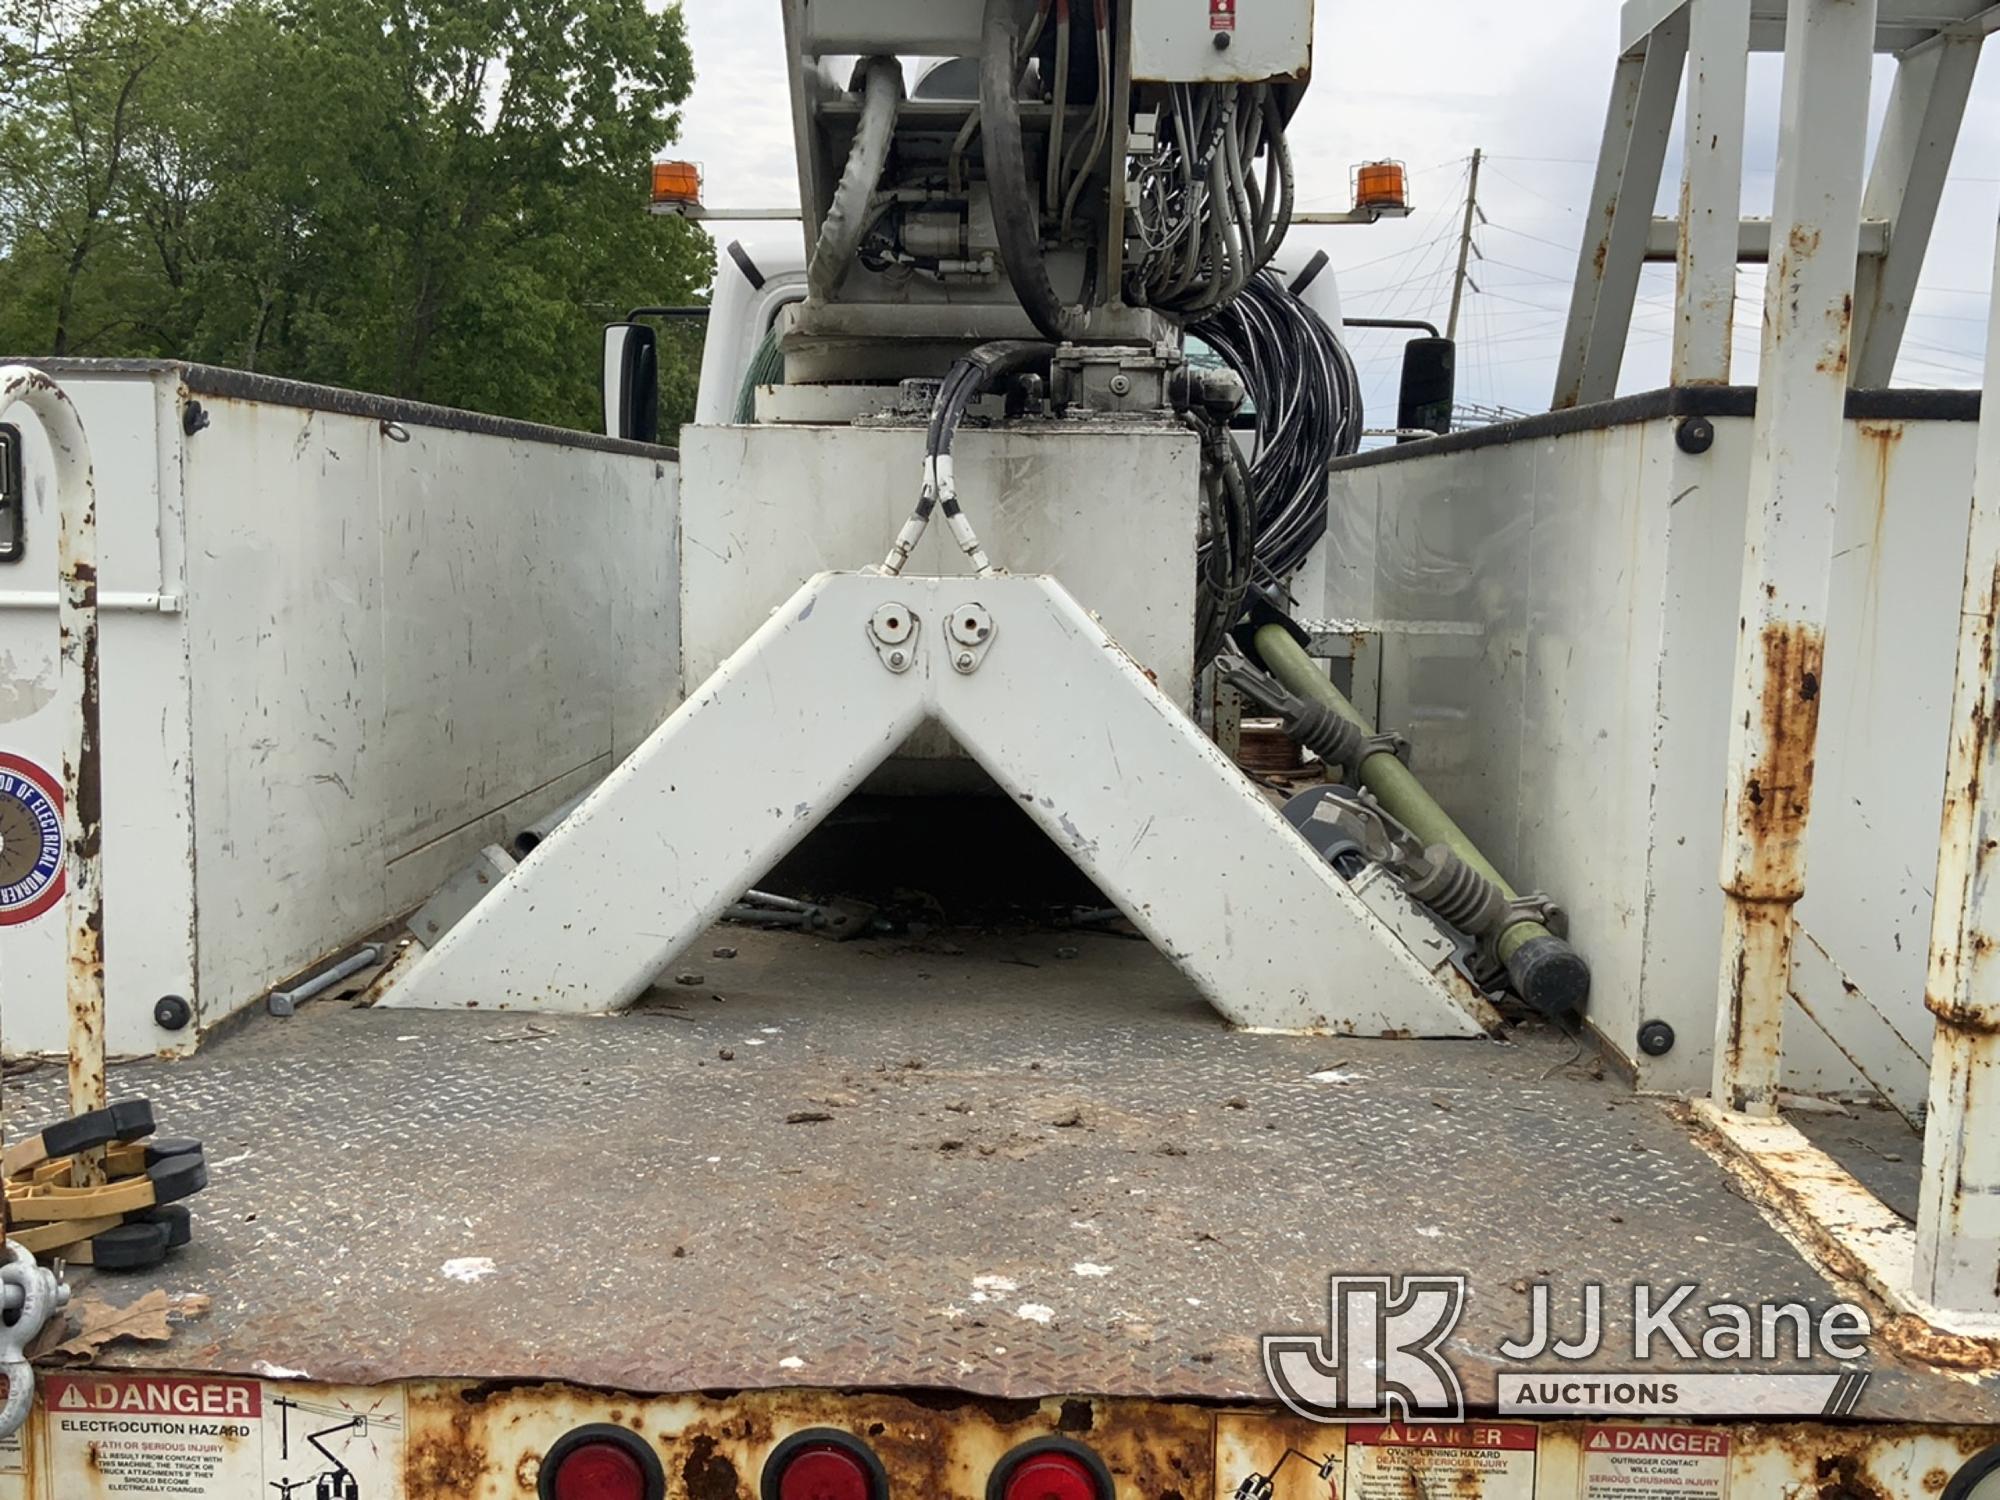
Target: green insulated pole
pixel 1546 972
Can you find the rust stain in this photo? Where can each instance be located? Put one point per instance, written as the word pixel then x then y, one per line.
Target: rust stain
pixel 1948 984
pixel 1776 799
pixel 1161 1450
pixel 1834 362
pixel 76 549
pixel 447 1465
pixel 1916 1340
pixel 1844 1476
pixel 706 1474
pixel 1825 1462
pixel 1967 1017
pixel 1752 1048
pixel 1907 1337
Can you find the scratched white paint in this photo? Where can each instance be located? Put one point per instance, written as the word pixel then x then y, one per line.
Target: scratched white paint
pixel 1040 504
pixel 1135 805
pixel 1579 732
pixel 26 686
pixel 373 657
pixel 404 651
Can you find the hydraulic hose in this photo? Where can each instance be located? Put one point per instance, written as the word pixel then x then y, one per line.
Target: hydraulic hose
pixel 1544 969
pixel 1015 195
pixel 849 217
pixel 985 368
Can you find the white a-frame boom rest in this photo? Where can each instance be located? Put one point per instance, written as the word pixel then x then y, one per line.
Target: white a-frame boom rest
pixel 1060 717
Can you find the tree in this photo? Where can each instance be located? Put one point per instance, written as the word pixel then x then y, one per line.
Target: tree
pixel 441 199
pixel 71 80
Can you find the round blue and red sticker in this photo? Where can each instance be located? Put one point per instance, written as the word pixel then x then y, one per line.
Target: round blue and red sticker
pixel 31 840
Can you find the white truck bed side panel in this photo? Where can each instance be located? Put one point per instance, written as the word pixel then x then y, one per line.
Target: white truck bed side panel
pixel 407 641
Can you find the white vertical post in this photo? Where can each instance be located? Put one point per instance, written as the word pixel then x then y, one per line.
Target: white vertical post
pixel 1718 72
pixel 1596 250
pixel 83 800
pixel 1926 108
pixel 1958 1213
pixel 1794 481
pixel 1629 164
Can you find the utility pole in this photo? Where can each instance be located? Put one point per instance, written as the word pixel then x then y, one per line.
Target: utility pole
pixel 1466 249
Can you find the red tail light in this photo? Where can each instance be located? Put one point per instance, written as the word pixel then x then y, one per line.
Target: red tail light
pixel 823 1463
pixel 1050 1469
pixel 1052 1476
pixel 827 1473
pixel 600 1471
pixel 601 1462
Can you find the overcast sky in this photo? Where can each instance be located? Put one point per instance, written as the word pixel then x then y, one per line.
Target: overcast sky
pixel 1426 83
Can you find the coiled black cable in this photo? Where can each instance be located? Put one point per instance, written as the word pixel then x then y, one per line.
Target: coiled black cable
pixel 1307 396
pixel 1223 571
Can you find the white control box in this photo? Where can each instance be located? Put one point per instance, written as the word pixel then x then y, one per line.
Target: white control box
pixel 1221 41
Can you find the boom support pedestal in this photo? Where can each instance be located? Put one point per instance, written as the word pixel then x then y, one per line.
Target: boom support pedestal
pixel 1060 717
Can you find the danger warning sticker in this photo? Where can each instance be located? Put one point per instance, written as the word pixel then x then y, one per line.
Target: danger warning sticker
pixel 177 1438
pixel 1221 15
pixel 1488 1460
pixel 1651 1463
pixel 341 1444
pixel 149 1435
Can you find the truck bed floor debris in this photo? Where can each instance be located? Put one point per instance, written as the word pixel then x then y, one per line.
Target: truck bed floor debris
pixel 969 1163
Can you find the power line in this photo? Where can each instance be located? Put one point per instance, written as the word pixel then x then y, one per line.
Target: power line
pixel 1555 203
pixel 1523 234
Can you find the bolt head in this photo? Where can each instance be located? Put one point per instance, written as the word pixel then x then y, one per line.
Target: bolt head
pixel 1695 435
pixel 896 658
pixel 172 1013
pixel 965 661
pixel 1656 1039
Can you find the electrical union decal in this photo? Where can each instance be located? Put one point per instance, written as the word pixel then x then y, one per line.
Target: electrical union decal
pixel 31 840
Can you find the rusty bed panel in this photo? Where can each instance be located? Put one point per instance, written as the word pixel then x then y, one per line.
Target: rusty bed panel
pixel 463 1441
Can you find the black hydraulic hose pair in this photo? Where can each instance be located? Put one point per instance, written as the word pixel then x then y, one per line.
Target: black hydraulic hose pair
pixel 976 372
pixel 983 369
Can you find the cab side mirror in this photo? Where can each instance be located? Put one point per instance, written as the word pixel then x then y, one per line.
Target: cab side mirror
pixel 632 382
pixel 1430 379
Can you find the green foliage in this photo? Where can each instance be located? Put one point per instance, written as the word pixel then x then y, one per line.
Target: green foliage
pixel 440 199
